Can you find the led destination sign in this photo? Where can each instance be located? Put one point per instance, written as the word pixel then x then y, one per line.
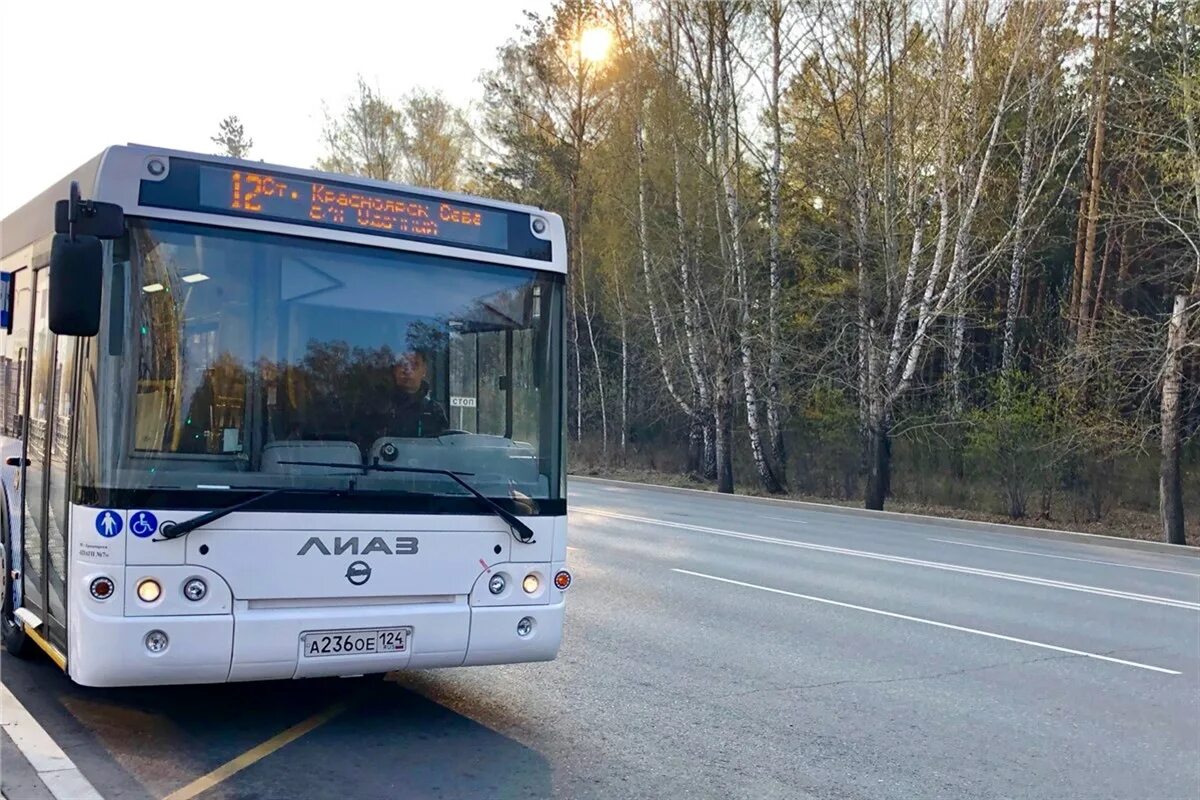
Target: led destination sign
pixel 294 199
pixel 219 189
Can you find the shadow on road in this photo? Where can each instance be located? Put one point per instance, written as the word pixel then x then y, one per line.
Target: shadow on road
pixel 139 743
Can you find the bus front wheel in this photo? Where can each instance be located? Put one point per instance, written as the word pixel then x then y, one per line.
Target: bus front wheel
pixel 15 640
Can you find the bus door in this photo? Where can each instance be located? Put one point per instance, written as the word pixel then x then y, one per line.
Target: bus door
pixel 46 471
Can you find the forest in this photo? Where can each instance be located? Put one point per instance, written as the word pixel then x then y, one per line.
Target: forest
pixel 938 256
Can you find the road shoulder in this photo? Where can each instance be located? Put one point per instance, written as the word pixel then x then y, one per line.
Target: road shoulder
pixel 902 516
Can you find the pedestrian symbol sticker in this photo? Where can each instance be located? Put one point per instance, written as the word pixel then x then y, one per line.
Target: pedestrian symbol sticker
pixel 143 524
pixel 108 524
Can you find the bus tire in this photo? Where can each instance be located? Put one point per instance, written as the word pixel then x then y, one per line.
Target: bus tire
pixel 11 630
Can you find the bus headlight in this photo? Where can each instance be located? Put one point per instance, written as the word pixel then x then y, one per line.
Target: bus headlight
pixel 195 589
pixel 525 627
pixel 531 584
pixel 496 584
pixel 149 590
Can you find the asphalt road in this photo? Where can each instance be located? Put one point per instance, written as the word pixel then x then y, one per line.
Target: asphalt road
pixel 730 648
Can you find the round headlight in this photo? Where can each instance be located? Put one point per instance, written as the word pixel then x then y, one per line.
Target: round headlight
pixel 525 627
pixel 148 590
pixel 531 584
pixel 496 584
pixel 195 589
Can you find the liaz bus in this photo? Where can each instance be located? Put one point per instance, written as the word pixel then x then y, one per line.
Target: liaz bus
pixel 264 423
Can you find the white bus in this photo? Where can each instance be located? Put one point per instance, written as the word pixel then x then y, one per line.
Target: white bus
pixel 264 423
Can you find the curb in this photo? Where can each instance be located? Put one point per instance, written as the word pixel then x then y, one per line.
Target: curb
pixel 56 771
pixel 1027 531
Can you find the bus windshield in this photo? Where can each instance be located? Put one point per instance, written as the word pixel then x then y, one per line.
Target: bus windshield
pixel 242 353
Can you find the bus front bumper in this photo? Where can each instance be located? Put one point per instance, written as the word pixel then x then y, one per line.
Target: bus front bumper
pixel 265 643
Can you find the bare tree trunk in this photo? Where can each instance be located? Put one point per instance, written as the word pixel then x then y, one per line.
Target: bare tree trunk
pixel 1093 218
pixel 1170 478
pixel 624 372
pixel 924 316
pixel 958 334
pixel 587 317
pixel 955 280
pixel 774 340
pixel 1015 273
pixel 723 428
pixel 575 351
pixel 1080 236
pixel 879 458
pixel 728 162
pixel 644 253
pixel 1110 242
pixel 695 453
pixel 702 409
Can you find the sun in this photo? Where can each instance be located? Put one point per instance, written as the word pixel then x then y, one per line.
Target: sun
pixel 594 44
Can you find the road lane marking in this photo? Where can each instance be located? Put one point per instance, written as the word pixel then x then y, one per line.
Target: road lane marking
pixel 916 562
pixel 1066 558
pixel 256 754
pixel 52 765
pixel 934 623
pixel 785 519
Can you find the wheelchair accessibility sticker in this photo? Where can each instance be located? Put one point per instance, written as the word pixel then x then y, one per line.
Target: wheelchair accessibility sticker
pixel 108 524
pixel 143 524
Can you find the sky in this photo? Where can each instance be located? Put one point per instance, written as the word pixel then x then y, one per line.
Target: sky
pixel 76 76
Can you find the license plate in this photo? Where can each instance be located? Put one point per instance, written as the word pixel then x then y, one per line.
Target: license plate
pixel 355 643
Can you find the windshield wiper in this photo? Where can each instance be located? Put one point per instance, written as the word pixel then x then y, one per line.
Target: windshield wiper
pixel 173 530
pixel 520 531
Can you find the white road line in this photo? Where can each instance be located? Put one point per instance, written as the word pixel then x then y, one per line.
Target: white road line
pixel 1066 558
pixel 915 562
pixel 934 623
pixel 785 519
pixel 56 770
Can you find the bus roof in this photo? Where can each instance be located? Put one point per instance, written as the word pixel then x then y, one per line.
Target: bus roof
pixel 116 174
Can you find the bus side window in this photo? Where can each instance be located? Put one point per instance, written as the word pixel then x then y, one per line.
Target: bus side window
pixel 14 357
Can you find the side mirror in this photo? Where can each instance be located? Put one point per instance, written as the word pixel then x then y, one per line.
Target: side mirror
pixel 76 277
pixel 77 262
pixel 16 461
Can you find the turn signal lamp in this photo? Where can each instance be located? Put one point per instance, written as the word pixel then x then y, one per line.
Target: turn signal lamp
pixel 562 580
pixel 102 588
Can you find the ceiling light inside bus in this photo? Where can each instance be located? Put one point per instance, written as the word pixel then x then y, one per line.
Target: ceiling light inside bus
pixel 148 590
pixel 195 277
pixel 151 288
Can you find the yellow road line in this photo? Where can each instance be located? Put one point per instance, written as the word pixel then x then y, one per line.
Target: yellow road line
pixel 256 754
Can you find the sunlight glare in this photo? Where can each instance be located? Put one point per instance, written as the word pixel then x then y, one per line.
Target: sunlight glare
pixel 594 44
